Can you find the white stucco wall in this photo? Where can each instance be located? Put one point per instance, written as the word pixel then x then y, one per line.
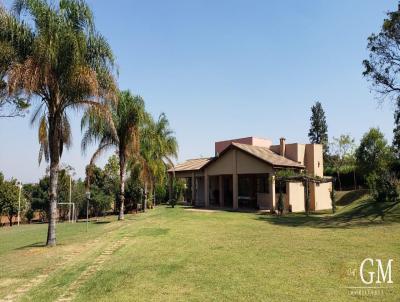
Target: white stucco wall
pixel 322 196
pixel 295 192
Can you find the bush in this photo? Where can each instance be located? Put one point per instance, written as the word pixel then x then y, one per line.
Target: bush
pixel 149 203
pixel 383 186
pixel 281 204
pixel 332 194
pixel 29 215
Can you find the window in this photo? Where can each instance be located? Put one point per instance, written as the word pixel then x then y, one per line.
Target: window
pixel 244 185
pixel 262 184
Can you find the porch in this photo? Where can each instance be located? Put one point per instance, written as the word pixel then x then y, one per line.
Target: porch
pixel 240 191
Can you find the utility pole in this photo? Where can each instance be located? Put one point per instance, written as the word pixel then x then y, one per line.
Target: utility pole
pixel 70 196
pixel 87 210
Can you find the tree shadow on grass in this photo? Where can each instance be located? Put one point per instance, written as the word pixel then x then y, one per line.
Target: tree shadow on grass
pixel 32 245
pixel 351 196
pixel 364 214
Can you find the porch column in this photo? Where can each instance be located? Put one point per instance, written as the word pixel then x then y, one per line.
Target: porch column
pixel 206 195
pixel 193 189
pixel 221 191
pixel 272 190
pixel 235 202
pixel 235 191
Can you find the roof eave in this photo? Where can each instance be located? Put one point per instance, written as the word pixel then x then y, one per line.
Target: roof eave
pixel 288 166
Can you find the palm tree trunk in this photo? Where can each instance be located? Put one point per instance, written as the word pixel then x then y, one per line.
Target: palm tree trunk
pixel 154 194
pixel 145 197
pixel 54 148
pixel 122 176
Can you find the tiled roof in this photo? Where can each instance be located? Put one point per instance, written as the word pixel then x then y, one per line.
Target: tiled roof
pixel 261 153
pixel 268 156
pixel 191 165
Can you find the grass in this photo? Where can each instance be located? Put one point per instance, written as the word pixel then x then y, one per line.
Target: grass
pixel 178 255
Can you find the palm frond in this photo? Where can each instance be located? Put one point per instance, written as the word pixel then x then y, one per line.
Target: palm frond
pixel 36 114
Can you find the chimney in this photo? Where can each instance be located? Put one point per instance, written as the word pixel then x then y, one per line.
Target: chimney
pixel 282 148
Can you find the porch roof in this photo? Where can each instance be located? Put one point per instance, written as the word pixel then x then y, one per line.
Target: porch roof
pixel 191 165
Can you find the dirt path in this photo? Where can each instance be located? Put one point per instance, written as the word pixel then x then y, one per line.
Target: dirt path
pixel 69 259
pixel 71 292
pixel 45 273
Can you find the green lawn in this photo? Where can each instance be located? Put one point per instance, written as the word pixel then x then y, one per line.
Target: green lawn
pixel 179 255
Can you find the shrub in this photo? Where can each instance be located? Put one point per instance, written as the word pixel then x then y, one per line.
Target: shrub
pixel 29 215
pixel 332 194
pixel 281 204
pixel 149 203
pixel 383 186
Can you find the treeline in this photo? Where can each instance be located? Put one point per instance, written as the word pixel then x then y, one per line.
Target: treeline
pixel 372 164
pixel 104 188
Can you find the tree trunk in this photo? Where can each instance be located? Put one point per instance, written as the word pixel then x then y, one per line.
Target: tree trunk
pixel 10 220
pixel 340 183
pixel 54 148
pixel 122 176
pixel 51 232
pixel 145 197
pixel 154 194
pixel 355 180
pixel 307 197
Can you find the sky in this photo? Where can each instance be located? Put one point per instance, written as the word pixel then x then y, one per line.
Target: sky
pixel 229 69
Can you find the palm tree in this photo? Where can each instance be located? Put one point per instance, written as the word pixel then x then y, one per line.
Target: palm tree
pixel 60 61
pixel 158 148
pixel 121 133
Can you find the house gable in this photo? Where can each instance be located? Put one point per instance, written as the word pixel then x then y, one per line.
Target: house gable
pixel 242 163
pixel 248 164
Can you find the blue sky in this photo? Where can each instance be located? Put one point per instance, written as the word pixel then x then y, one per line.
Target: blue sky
pixel 226 69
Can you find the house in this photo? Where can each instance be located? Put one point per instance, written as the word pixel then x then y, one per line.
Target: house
pixel 242 174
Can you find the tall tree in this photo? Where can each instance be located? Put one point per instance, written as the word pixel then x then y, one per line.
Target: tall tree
pixel 122 133
pixel 382 67
pixel 396 131
pixel 158 148
pixel 10 106
pixel 373 154
pixel 318 133
pixel 341 148
pixel 61 62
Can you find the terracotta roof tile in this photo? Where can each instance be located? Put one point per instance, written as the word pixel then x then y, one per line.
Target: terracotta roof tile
pixel 191 165
pixel 268 156
pixel 261 153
